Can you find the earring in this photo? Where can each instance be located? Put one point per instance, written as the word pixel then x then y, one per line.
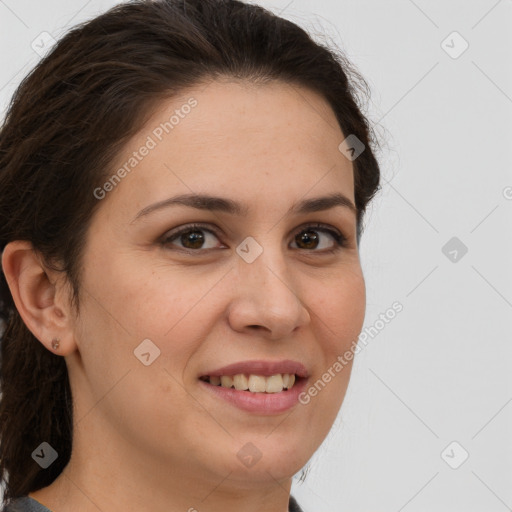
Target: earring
pixel 55 343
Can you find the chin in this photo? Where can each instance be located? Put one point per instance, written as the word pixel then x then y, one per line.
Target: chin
pixel 265 460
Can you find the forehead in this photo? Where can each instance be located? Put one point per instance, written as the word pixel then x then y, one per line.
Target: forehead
pixel 246 140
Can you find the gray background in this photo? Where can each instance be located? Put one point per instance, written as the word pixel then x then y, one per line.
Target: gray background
pixel 440 370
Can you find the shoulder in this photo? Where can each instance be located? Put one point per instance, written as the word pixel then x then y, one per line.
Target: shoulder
pixel 24 504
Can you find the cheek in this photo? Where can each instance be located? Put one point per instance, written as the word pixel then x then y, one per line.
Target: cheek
pixel 174 309
pixel 117 314
pixel 144 299
pixel 340 307
pixel 340 312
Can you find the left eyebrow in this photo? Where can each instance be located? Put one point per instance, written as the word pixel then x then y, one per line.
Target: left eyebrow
pixel 222 204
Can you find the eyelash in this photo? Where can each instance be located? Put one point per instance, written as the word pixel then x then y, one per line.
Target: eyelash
pixel 340 239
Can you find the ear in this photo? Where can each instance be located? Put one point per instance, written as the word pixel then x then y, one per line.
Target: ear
pixel 40 296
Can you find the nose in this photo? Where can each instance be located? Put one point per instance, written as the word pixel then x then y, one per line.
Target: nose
pixel 266 298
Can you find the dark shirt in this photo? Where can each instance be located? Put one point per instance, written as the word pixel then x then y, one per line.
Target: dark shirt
pixel 28 504
pixel 293 506
pixel 25 504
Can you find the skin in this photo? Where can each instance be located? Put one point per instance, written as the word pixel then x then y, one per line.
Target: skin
pixel 149 437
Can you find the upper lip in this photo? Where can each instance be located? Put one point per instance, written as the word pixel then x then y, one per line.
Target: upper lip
pixel 264 368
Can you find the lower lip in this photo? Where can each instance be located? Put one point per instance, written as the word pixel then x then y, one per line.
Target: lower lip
pixel 261 403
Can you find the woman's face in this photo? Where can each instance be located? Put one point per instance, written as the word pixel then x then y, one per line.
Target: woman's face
pixel 260 284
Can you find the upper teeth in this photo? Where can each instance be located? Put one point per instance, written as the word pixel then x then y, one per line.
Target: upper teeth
pixel 255 383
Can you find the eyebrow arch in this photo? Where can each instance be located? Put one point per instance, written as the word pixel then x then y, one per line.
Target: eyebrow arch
pixel 207 202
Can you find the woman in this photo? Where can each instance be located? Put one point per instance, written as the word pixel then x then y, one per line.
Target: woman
pixel 182 190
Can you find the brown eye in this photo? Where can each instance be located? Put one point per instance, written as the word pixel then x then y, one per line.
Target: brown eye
pixel 191 237
pixel 309 238
pixel 195 238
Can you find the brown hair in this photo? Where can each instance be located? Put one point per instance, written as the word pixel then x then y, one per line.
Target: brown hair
pixel 67 121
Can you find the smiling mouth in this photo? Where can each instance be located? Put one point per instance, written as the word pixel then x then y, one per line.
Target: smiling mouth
pixel 254 383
